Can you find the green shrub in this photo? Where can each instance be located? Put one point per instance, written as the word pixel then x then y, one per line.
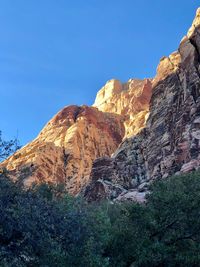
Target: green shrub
pixel 44 226
pixel 165 231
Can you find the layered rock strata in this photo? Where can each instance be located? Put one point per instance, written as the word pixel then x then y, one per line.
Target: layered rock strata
pixel 135 132
pixel 170 142
pixel 130 100
pixel 66 147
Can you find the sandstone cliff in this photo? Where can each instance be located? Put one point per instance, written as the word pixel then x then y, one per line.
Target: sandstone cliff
pixel 170 142
pixel 67 146
pixel 130 100
pixel 135 132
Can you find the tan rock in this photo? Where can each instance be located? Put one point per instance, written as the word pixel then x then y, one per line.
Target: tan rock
pixel 170 142
pixel 66 147
pixel 195 24
pixel 167 66
pixel 130 100
pixel 135 132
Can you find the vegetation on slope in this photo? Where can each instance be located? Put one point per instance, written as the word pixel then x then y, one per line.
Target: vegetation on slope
pixel 45 227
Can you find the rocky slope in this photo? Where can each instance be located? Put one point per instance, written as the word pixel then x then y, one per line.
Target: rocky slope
pixel 170 142
pixel 67 146
pixel 130 100
pixel 135 132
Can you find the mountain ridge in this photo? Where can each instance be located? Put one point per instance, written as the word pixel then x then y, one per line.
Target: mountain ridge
pixel 170 142
pixel 135 132
pixel 68 144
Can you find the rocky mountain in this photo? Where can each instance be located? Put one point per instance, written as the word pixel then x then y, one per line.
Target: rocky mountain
pixel 134 133
pixel 130 100
pixel 170 142
pixel 67 146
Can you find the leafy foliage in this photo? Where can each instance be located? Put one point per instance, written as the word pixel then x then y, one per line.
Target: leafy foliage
pixel 7 147
pixel 164 232
pixel 44 226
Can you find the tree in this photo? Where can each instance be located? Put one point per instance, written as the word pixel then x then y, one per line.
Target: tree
pixel 7 147
pixel 38 227
pixel 163 232
pixel 44 226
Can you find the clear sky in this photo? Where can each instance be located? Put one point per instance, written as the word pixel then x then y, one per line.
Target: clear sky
pixel 59 52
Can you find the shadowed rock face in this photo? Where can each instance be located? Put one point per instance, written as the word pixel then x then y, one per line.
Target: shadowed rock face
pixel 170 142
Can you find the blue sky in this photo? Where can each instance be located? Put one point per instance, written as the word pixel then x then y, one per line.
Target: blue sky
pixel 55 53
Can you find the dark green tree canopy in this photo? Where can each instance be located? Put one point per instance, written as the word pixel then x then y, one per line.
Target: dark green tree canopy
pixel 43 226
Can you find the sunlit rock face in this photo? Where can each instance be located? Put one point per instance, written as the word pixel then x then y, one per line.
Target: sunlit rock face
pixel 130 100
pixel 66 147
pixel 135 132
pixel 195 24
pixel 170 142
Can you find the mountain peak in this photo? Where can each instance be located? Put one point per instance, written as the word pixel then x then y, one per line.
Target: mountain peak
pixel 141 130
pixel 129 100
pixel 195 23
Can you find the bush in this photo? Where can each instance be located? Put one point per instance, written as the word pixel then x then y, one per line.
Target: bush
pixel 164 232
pixel 8 147
pixel 39 227
pixel 44 226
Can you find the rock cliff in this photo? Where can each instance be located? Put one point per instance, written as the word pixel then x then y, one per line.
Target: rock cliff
pixel 130 100
pixel 170 142
pixel 67 146
pixel 134 133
